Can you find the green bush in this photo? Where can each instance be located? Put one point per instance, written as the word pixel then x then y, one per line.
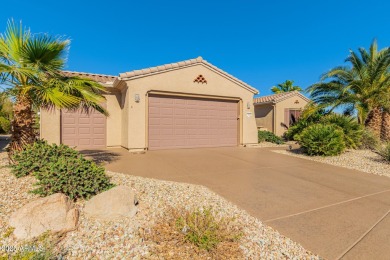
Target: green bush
pixel 353 131
pixel 385 152
pixel 75 177
pixel 266 136
pixel 324 140
pixel 5 125
pixel 37 155
pixel 304 121
pixel 369 140
pixel 296 129
pixel 59 168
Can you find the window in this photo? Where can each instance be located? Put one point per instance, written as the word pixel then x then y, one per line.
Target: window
pixel 291 115
pixel 294 115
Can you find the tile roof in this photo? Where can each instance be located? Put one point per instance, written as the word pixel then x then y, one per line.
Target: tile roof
pixel 181 64
pixel 275 98
pixel 101 78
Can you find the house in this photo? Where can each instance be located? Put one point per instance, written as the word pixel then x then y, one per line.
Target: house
pixel 187 104
pixel 275 112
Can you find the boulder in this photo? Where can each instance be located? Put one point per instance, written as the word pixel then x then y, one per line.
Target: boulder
pixel 116 203
pixel 55 213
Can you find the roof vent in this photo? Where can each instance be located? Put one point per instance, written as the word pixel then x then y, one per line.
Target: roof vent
pixel 200 79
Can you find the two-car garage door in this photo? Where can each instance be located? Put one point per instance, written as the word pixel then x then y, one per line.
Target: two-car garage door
pixel 182 122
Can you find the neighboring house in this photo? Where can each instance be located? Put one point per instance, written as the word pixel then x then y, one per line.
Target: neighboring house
pixel 276 111
pixel 180 105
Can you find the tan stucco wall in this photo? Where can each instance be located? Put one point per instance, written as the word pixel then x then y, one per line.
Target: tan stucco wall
pixel 50 126
pixel 125 119
pixel 181 80
pixel 264 114
pixel 114 120
pixel 279 114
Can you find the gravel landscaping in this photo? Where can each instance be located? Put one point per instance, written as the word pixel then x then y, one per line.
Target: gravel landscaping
pixel 123 239
pixel 361 160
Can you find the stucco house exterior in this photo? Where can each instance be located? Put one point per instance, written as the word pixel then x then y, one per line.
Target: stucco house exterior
pixel 274 112
pixel 188 104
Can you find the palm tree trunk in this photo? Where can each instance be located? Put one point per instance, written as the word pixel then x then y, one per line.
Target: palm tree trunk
pixel 22 126
pixel 374 121
pixel 385 131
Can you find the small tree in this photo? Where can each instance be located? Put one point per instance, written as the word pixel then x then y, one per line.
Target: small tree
pixel 30 68
pixel 362 87
pixel 286 86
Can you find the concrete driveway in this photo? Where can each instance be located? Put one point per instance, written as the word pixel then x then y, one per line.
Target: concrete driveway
pixel 331 211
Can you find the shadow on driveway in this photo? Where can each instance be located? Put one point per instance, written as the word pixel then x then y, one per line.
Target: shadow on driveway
pixel 101 156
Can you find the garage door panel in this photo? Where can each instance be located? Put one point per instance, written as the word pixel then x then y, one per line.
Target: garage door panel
pixel 69 120
pixel 69 130
pixel 180 142
pixel 99 141
pixel 154 110
pixel 192 123
pixel 154 121
pixel 98 130
pixel 97 120
pixel 84 141
pixel 84 120
pixel 84 130
pixel 180 111
pixel 166 121
pixel 70 142
pixel 166 111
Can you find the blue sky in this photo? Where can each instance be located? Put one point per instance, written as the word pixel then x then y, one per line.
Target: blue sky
pixel 261 42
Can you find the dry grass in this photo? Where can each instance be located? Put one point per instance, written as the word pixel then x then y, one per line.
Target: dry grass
pixel 195 234
pixel 42 247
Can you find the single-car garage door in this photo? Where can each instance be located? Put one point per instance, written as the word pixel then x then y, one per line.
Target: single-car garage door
pixel 181 122
pixel 84 130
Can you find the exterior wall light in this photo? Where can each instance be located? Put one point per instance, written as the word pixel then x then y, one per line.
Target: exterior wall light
pixel 248 105
pixel 136 98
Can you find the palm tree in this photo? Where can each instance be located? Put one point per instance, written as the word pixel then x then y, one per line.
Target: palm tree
pixel 362 87
pixel 30 70
pixel 286 86
pixel 385 130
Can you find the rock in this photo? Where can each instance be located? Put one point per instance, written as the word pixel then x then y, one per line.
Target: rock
pixel 115 203
pixel 55 213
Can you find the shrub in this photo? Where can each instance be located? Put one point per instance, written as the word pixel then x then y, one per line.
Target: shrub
pixel 59 168
pixel 5 125
pixel 369 140
pixel 37 155
pixel 199 233
pixel 202 229
pixel 76 177
pixel 266 136
pixel 296 129
pixel 310 115
pixel 353 131
pixel 385 152
pixel 324 140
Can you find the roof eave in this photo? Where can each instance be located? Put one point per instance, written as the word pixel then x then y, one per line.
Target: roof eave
pixel 180 65
pixel 265 103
